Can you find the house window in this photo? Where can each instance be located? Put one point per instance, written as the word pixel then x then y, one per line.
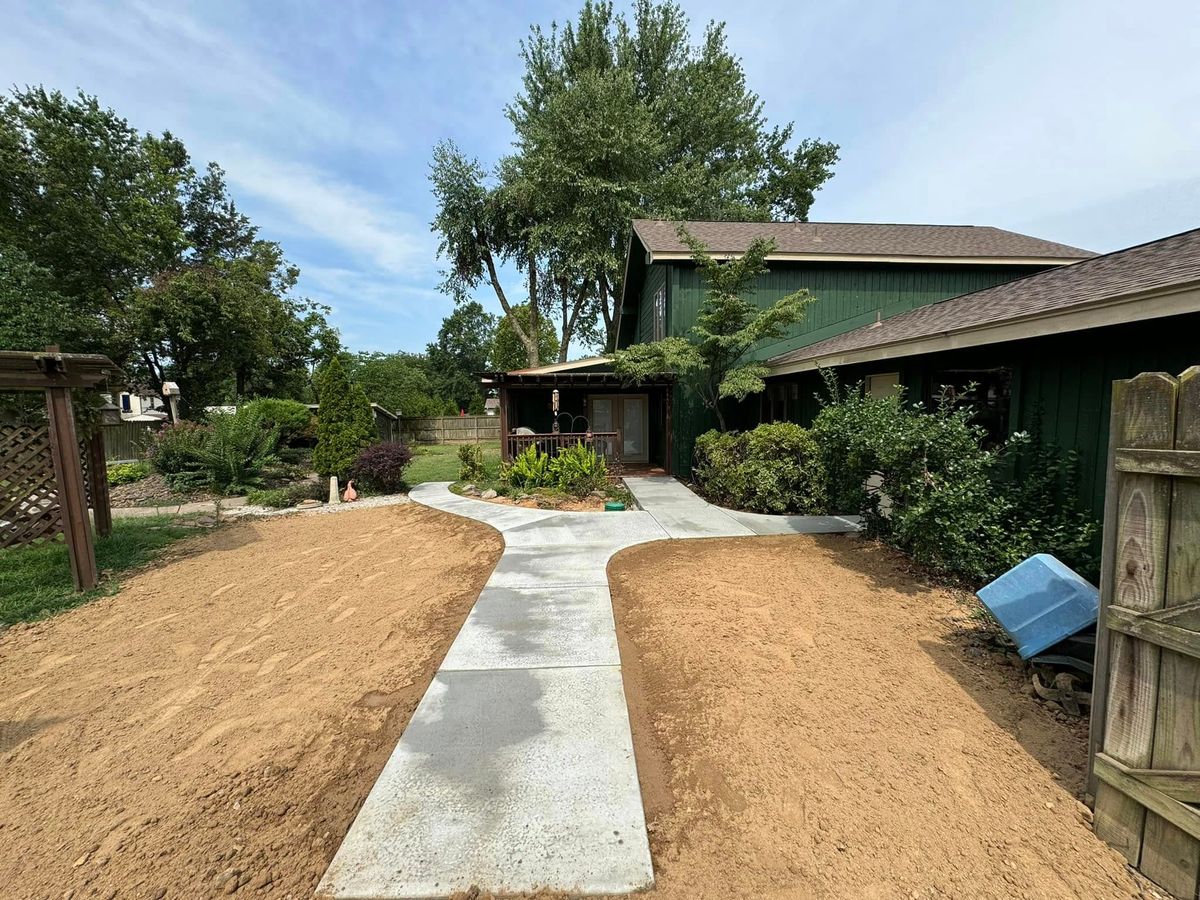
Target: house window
pixel 125 406
pixel 883 385
pixel 660 314
pixel 987 391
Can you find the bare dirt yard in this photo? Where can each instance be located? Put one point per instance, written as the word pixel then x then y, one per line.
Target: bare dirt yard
pixel 214 727
pixel 810 721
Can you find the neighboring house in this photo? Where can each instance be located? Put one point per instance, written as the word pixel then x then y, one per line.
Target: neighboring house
pixel 859 274
pixel 140 407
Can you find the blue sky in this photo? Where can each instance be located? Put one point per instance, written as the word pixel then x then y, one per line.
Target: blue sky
pixel 1075 121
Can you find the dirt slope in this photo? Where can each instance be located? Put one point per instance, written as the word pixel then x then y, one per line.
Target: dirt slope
pixel 213 728
pixel 807 724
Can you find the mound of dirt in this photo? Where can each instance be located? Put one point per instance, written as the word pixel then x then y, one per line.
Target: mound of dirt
pixel 214 727
pixel 807 725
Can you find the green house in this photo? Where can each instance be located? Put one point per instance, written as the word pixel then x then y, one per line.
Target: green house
pixel 1039 328
pixel 859 274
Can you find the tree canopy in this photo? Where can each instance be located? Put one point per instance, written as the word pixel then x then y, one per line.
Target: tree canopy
pixel 508 352
pixel 112 242
pixel 711 358
pixel 619 117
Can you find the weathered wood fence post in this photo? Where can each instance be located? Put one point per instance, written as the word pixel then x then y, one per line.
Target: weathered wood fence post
pixel 1146 716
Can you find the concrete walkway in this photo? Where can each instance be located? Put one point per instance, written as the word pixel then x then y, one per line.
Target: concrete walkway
pixel 516 771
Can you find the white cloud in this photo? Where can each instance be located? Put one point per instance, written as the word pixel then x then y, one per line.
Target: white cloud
pixel 307 202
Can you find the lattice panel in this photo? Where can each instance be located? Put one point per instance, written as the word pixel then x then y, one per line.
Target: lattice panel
pixel 29 508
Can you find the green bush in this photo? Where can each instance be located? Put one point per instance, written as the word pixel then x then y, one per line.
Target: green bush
pixel 529 469
pixel 238 450
pixel 127 473
pixel 943 495
pixel 291 417
pixel 578 470
pixel 776 468
pixel 470 463
pixel 345 423
pixel 284 497
pixel 174 453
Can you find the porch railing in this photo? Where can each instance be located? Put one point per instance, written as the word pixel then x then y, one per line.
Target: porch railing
pixel 605 443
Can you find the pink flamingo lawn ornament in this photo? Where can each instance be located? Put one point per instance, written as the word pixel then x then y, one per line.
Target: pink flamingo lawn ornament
pixel 350 494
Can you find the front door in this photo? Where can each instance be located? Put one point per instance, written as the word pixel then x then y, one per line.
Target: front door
pixel 627 413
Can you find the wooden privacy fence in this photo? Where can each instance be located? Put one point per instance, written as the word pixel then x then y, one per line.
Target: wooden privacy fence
pixel 1145 738
pixel 126 441
pixel 449 429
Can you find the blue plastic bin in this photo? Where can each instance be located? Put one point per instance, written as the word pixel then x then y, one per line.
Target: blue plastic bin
pixel 1041 602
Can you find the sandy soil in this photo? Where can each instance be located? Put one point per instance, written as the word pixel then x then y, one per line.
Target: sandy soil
pixel 213 728
pixel 808 723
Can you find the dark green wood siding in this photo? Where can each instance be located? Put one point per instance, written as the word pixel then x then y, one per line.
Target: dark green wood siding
pixel 1066 380
pixel 847 296
pixel 656 278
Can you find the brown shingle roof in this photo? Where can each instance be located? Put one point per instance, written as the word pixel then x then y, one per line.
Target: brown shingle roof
pixel 1169 262
pixel 856 239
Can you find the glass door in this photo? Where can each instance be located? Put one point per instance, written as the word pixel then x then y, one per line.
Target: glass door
pixel 633 429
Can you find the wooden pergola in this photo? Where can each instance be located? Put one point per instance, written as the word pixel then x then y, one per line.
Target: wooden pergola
pixel 36 491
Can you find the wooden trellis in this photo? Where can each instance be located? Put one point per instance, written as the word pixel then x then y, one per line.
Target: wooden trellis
pixel 1146 713
pixel 42 486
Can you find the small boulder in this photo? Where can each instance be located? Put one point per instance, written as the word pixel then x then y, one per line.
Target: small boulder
pixel 489 494
pixel 308 504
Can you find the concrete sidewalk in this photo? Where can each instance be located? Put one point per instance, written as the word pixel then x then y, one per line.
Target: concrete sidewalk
pixel 516 771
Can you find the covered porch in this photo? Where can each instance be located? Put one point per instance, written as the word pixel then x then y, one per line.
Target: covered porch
pixel 557 406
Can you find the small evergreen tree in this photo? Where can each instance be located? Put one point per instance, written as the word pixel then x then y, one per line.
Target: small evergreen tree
pixel 345 423
pixel 711 359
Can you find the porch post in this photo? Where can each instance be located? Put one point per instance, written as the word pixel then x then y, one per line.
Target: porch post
pixel 504 450
pixel 670 397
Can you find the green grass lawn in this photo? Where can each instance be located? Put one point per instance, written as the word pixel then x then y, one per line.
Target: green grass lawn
pixel 36 581
pixel 439 462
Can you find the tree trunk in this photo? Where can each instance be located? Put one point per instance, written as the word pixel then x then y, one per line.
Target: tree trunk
pixel 533 340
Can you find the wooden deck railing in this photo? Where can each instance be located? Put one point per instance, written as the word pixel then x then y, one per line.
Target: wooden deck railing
pixel 605 443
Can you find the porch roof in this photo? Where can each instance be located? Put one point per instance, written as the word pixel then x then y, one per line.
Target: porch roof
pixel 570 379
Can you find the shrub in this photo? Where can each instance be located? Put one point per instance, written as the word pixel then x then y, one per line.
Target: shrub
pixel 291 417
pixel 237 451
pixel 949 504
pixel 345 423
pixel 174 453
pixel 127 473
pixel 281 498
pixel 381 467
pixel 776 468
pixel 529 469
pixel 470 463
pixel 578 470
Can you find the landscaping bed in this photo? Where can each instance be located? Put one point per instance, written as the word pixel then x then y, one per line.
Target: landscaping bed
pixel 810 721
pixel 546 498
pixel 213 728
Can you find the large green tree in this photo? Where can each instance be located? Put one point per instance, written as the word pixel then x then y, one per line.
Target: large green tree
pixel 508 350
pixel 110 241
pixel 618 117
pixel 712 359
pixel 399 382
pixel 460 351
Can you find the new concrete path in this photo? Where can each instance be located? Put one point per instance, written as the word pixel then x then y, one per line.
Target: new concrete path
pixel 516 771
